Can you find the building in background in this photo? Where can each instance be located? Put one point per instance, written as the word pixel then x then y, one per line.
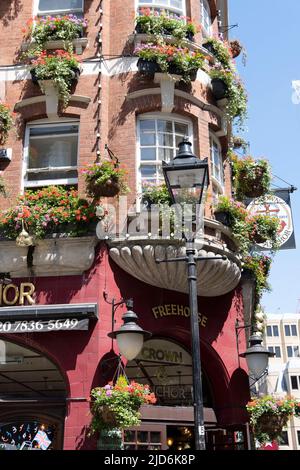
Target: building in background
pixel 54 295
pixel 283 339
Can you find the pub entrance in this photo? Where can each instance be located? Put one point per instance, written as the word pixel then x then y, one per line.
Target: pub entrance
pixel 32 399
pixel 167 368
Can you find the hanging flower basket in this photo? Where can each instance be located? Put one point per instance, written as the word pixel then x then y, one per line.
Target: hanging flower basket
pixel 252 178
pixel 219 88
pixel 104 179
pixel 224 218
pixel 235 48
pixel 117 406
pixel 148 67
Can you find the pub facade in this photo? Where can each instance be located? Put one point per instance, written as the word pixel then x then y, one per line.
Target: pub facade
pixel 56 293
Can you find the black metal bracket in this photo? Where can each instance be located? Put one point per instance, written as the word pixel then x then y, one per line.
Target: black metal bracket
pixel 115 305
pixel 185 258
pixel 238 329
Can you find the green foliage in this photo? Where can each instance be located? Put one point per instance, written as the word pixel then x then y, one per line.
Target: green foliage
pixel 53 28
pixel 172 59
pixel 221 51
pixel 156 194
pixel 49 210
pixel 6 122
pixel 117 406
pixel 235 94
pixel 59 66
pixel 2 187
pixel 160 24
pixel 265 227
pixel 268 415
pixel 250 174
pixel 100 173
pixel 260 266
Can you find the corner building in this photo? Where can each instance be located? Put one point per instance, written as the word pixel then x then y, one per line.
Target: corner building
pixel 46 376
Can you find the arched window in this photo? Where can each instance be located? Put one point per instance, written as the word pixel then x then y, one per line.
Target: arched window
pixel 175 7
pixel 217 172
pixel 158 138
pixel 51 153
pixel 205 17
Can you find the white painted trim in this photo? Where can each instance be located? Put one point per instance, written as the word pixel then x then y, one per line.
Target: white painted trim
pixel 42 98
pixel 45 123
pixel 37 12
pixel 217 183
pixel 158 4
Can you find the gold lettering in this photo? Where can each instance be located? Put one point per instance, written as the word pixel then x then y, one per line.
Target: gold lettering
pixel 161 311
pixel 1 290
pixel 180 310
pixel 155 311
pixel 186 312
pixel 5 292
pixel 168 309
pixel 203 321
pixel 27 294
pixel 173 309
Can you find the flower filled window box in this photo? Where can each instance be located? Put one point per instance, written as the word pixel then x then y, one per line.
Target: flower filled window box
pixel 104 179
pixel 59 66
pixel 252 178
pixel 268 416
pixel 156 24
pixel 46 211
pixel 220 50
pixel 169 59
pixel 6 122
pixel 60 32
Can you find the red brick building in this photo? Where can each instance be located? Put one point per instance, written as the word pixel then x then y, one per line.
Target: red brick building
pixel 46 377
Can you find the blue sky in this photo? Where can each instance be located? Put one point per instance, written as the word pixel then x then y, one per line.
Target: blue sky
pixel 269 30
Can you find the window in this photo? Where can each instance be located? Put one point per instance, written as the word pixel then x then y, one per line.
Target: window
pixel 205 17
pixel 298 435
pixel 294 382
pixel 158 140
pixel 293 351
pixel 216 160
pixel 272 330
pixel 276 350
pixel 59 6
pixel 283 439
pixel 175 7
pixel 290 330
pixel 50 154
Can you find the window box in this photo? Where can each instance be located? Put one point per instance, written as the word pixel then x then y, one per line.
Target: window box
pixel 219 88
pixel 79 45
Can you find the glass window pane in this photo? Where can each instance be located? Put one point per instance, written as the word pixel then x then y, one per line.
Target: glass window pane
pixel 296 351
pixel 155 437
pixel 275 330
pixel 277 351
pixel 147 139
pixel 287 330
pixel 176 3
pixel 181 128
pixel 129 436
pixel 164 126
pixel 165 154
pixel 129 447
pixel 56 5
pixel 178 139
pixel 148 171
pixel 53 151
pixel 294 330
pixel 147 125
pixel 289 351
pixel 270 349
pixel 165 140
pixel 142 436
pixel 298 435
pixel 294 382
pixel 148 154
pixel 269 331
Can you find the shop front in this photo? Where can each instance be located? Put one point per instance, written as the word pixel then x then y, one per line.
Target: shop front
pixel 54 349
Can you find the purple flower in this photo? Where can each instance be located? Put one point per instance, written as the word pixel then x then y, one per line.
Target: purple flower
pixel 108 393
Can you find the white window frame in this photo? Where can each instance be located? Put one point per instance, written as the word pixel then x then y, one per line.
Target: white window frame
pixel 273 350
pixel 293 346
pixel 218 183
pixel 272 330
pixel 157 4
pixel 62 181
pixel 289 326
pixel 205 12
pixel 37 12
pixel 156 116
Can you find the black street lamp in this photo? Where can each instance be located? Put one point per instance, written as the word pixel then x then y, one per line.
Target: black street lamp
pixel 187 180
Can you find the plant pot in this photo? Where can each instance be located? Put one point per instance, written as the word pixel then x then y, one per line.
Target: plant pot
pixel 223 217
pixel 235 48
pixel 219 88
pixel 190 36
pixel 108 189
pixel 110 439
pixel 254 187
pixel 257 238
pixel 139 29
pixel 148 67
pixel 209 47
pixel 173 69
pixel 272 424
pixel 193 75
pixel 34 77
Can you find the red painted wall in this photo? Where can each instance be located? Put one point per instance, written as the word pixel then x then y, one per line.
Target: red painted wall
pixel 78 354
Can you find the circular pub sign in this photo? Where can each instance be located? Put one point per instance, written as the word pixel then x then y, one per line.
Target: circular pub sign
pixel 274 206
